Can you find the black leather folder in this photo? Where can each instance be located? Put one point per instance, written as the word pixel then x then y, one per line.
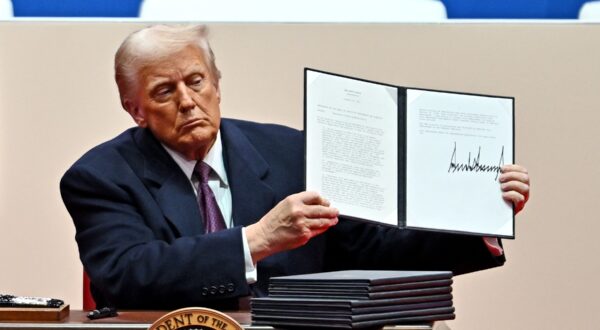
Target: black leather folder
pixel 353 287
pixel 355 318
pixel 362 278
pixel 361 295
pixel 327 311
pixel 303 324
pixel 355 299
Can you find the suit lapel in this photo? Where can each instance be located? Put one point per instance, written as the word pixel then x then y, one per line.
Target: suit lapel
pixel 169 186
pixel 246 170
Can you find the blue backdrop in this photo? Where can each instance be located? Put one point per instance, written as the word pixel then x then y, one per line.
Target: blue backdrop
pixel 77 8
pixel 556 9
pixel 456 8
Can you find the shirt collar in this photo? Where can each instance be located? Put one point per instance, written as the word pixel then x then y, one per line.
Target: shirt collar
pixel 214 159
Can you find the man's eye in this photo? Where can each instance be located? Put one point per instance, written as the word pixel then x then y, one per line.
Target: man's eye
pixel 164 91
pixel 196 82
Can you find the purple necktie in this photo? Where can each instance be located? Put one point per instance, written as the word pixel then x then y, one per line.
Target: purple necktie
pixel 213 219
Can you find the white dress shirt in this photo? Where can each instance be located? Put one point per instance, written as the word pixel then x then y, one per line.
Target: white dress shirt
pixel 219 185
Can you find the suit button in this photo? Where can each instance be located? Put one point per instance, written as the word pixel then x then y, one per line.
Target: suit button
pixel 204 291
pixel 230 287
pixel 213 290
pixel 221 289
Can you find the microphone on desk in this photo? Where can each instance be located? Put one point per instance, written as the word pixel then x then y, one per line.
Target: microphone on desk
pixel 102 313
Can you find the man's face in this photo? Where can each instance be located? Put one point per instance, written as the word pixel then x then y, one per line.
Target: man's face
pixel 178 98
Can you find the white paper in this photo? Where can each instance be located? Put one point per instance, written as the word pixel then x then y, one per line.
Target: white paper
pixel 352 145
pixel 455 146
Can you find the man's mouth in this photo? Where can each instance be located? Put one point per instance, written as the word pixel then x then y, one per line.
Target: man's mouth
pixel 192 123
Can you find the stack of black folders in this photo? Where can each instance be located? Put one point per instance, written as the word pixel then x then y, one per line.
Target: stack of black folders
pixel 355 299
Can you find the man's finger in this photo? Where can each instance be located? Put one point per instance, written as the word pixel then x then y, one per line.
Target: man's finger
pixel 321 223
pixel 517 186
pixel 513 168
pixel 312 198
pixel 319 211
pixel 516 198
pixel 514 176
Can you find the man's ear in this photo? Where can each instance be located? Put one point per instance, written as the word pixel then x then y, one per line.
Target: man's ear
pixel 135 112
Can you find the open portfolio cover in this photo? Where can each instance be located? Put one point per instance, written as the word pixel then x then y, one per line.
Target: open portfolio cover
pixel 409 157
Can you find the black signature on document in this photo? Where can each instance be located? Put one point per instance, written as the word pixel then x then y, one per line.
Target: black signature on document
pixel 475 165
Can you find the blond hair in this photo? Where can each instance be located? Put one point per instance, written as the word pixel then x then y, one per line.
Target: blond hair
pixel 154 43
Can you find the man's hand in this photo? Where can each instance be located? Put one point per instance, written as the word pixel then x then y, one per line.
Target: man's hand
pixel 290 224
pixel 514 182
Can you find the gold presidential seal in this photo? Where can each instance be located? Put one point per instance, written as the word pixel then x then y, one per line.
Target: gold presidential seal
pixel 195 318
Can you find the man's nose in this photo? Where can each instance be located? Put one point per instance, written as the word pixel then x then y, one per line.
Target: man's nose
pixel 186 102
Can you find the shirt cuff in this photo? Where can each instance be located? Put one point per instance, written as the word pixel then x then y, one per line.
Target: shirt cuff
pixel 250 269
pixel 493 246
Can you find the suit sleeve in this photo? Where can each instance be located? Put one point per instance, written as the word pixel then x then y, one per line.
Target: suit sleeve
pixel 133 255
pixel 359 245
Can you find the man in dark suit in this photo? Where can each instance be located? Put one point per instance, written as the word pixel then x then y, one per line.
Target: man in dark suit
pixel 145 234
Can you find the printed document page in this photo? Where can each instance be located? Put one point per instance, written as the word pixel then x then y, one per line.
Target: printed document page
pixel 352 145
pixel 456 144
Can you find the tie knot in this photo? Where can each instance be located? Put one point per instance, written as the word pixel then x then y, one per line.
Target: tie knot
pixel 202 170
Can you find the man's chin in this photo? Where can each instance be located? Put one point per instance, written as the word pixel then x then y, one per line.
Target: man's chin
pixel 202 135
pixel 197 144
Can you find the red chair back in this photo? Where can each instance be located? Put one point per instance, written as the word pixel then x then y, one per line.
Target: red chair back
pixel 88 300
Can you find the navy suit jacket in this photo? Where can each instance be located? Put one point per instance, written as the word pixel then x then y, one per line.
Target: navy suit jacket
pixel 140 236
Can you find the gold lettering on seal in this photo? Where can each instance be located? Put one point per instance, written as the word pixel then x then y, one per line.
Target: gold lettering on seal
pixel 196 318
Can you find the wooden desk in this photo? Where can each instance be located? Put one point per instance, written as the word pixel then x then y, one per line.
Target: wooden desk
pixel 140 320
